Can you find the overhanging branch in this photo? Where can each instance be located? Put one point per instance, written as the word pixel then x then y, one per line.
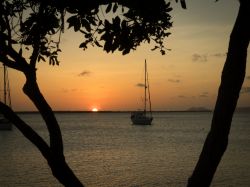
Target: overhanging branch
pixel 25 129
pixel 11 64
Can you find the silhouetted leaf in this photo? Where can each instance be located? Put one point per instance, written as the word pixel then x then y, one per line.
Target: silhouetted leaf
pixel 183 3
pixel 126 51
pixel 124 24
pixel 83 45
pixel 92 21
pixel 169 9
pixel 108 45
pixel 57 62
pixel 21 51
pixel 86 24
pixel 115 44
pixel 88 35
pixel 108 8
pixel 117 21
pixel 100 22
pixel 41 58
pixel 162 52
pixel 156 47
pixel 50 61
pixel 107 24
pixel 167 34
pixel 53 60
pixel 52 31
pixel 71 20
pixel 98 44
pixel 115 8
pixel 77 25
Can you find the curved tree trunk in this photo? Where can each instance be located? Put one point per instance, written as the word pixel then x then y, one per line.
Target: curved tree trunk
pixel 54 154
pixel 62 171
pixel 231 82
pixel 56 161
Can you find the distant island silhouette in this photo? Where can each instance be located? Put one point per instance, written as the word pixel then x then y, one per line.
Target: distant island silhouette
pixel 242 109
pixel 199 109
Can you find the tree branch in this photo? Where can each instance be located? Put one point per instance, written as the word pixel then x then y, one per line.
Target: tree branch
pixel 9 63
pixel 231 82
pixel 31 89
pixel 18 63
pixel 25 129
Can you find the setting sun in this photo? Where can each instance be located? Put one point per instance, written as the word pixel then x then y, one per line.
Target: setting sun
pixel 94 110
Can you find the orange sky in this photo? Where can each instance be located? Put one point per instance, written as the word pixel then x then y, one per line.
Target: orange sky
pixel 187 76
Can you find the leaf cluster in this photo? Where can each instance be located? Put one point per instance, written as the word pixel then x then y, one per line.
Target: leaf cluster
pixel 32 25
pixel 132 23
pixel 114 25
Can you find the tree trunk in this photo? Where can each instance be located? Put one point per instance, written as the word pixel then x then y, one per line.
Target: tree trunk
pixel 231 82
pixel 54 155
pixel 31 89
pixel 62 171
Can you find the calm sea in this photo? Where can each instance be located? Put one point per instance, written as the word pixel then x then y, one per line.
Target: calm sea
pixel 106 150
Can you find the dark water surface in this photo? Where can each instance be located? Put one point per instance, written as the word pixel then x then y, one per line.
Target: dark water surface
pixel 106 150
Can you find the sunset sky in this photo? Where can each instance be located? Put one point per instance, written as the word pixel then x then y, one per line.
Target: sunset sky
pixel 187 76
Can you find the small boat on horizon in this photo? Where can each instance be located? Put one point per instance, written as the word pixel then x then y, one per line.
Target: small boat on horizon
pixel 144 117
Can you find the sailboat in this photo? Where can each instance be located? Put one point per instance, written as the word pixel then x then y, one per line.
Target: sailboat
pixel 5 123
pixel 144 117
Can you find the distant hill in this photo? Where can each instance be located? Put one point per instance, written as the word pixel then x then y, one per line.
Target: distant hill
pixel 204 109
pixel 198 109
pixel 242 109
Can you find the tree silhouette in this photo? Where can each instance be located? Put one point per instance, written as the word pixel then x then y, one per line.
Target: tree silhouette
pixel 232 78
pixel 30 32
pixel 35 27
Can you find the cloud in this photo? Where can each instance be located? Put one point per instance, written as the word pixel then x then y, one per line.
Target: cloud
pixel 245 90
pixel 65 90
pixel 219 55
pixel 174 80
pixel 204 57
pixel 140 85
pixel 199 58
pixel 181 96
pixel 204 94
pixel 84 73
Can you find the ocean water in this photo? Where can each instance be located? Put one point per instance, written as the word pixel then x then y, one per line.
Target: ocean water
pixel 106 150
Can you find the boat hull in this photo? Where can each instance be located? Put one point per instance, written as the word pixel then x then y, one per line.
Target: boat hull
pixel 146 121
pixel 141 119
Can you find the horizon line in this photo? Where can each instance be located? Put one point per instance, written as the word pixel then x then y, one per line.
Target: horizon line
pixel 111 111
pixel 245 108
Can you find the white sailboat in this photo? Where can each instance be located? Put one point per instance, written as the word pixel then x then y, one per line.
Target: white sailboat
pixel 144 117
pixel 4 123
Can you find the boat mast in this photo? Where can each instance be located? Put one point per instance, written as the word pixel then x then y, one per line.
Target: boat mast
pixel 149 98
pixel 145 87
pixel 4 85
